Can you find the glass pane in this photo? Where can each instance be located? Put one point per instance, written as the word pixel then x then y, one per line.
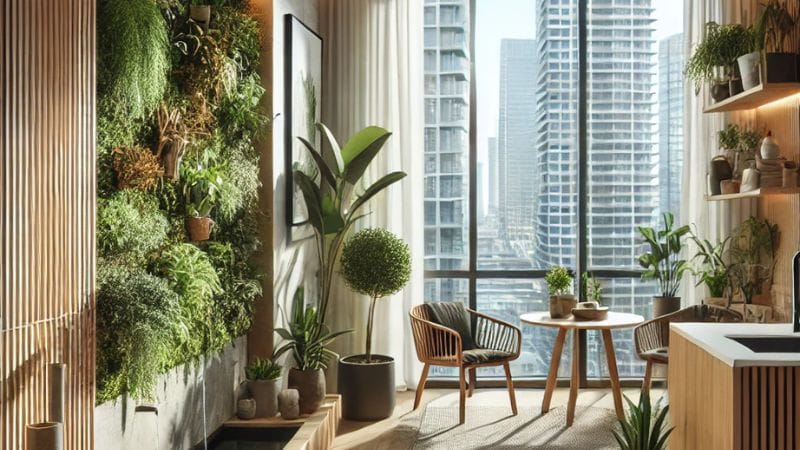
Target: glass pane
pixel 446 134
pixel 507 299
pixel 527 86
pixel 635 138
pixel 631 295
pixel 446 290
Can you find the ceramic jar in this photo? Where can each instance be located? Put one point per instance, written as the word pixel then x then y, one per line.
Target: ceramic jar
pixel 246 408
pixel 750 179
pixel 770 148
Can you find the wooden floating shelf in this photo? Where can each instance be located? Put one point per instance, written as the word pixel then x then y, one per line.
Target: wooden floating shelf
pixel 755 97
pixel 762 192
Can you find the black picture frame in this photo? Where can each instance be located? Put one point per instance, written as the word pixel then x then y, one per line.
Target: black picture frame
pixel 303 58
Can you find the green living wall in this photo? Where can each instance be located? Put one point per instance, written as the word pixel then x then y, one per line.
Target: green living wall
pixel 178 114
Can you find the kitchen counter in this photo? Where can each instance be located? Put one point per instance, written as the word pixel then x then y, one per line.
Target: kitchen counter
pixel 712 337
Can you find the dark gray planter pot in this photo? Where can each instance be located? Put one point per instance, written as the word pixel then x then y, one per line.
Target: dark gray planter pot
pixel 367 390
pixel 782 67
pixel 665 305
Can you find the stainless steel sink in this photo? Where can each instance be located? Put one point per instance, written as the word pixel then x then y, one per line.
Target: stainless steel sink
pixel 769 344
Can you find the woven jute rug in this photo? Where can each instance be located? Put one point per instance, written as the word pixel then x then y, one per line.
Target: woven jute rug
pixel 494 427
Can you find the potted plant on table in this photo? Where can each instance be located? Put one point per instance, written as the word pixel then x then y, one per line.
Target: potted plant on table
pixel 714 59
pixel 307 338
pixel 201 188
pixel 713 271
pixel 263 382
pixel 559 285
pixel 376 263
pixel 662 262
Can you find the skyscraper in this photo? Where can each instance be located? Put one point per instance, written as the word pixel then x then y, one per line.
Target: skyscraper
pixel 670 121
pixel 446 143
pixel 515 141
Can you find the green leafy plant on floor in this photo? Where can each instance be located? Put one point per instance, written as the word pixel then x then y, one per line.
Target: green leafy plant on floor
pixel 306 337
pixel 138 316
pixel 662 261
pixel 644 427
pixel 129 226
pixel 263 369
pixel 376 263
pixel 559 281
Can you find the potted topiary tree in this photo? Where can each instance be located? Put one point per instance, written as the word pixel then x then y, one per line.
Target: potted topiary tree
pixel 663 263
pixel 263 382
pixel 376 263
pixel 559 285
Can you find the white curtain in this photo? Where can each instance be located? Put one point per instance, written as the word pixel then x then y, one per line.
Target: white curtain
pixel 713 219
pixel 374 76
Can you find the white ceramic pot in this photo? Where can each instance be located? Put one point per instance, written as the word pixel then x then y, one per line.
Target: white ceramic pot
pixel 749 68
pixel 770 148
pixel 750 180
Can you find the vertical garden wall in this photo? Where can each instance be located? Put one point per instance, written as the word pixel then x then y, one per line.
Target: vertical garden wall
pixel 178 115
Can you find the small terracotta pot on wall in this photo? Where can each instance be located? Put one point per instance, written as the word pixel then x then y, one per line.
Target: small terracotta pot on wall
pixel 199 228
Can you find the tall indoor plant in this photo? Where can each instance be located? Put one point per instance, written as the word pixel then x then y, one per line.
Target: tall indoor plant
pixel 307 338
pixel 663 263
pixel 376 263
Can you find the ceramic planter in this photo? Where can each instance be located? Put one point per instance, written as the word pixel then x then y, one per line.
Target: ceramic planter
pixel 367 389
pixel 311 386
pixel 720 91
pixel 719 170
pixel 665 305
pixel 199 228
pixel 750 180
pixel 265 393
pixel 44 436
pixel 561 305
pixel 781 67
pixel 750 69
pixel 246 408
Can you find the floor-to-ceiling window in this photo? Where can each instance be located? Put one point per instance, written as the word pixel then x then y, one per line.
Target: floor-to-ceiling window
pixel 553 129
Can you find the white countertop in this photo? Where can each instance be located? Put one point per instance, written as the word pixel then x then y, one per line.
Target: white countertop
pixel 712 337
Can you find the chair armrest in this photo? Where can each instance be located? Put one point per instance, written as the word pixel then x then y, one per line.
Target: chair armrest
pixel 434 342
pixel 496 334
pixel 651 335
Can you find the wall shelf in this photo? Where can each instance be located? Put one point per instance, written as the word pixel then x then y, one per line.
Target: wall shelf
pixel 754 97
pixel 762 192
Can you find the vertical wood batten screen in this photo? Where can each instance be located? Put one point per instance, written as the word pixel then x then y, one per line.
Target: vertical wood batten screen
pixel 47 204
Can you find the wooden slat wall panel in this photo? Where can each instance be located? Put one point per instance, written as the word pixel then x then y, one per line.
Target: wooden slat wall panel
pixel 770 402
pixel 47 203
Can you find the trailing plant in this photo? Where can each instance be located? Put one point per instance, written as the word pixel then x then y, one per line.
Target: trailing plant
pixel 129 226
pixel 263 369
pixel 136 167
pixel 559 280
pixel 306 336
pixel 662 262
pixel 331 209
pixel 643 428
pixel 721 45
pixel 132 57
pixel 592 288
pixel 137 318
pixel 712 271
pixel 376 263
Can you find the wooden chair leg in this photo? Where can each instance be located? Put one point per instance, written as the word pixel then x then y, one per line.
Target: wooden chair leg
pixel 510 385
pixel 462 399
pixel 473 379
pixel 421 386
pixel 648 376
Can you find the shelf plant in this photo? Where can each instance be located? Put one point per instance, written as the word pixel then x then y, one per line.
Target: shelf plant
pixel 714 58
pixel 662 262
pixel 376 263
pixel 771 36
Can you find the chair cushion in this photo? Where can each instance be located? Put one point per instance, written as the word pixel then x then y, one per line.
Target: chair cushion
pixel 658 355
pixel 483 355
pixel 455 316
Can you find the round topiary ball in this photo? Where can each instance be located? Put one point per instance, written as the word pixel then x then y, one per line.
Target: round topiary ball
pixel 375 262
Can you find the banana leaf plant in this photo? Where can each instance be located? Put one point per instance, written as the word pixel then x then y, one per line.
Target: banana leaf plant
pixel 643 428
pixel 662 262
pixel 334 205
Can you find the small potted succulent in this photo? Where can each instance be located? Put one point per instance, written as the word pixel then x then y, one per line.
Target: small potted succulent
pixel 376 263
pixel 559 285
pixel 201 188
pixel 662 262
pixel 263 382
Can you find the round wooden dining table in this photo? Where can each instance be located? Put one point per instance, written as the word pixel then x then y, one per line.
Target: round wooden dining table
pixel 614 320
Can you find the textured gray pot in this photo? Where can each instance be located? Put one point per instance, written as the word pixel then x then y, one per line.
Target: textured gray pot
pixel 311 385
pixel 749 68
pixel 665 305
pixel 265 393
pixel 367 390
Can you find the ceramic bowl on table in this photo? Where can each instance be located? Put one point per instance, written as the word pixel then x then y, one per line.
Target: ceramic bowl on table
pixel 598 313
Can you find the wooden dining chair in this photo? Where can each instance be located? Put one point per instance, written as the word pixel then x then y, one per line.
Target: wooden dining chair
pixel 452 335
pixel 652 337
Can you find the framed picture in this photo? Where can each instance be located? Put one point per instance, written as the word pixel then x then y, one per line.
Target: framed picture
pixel 302 110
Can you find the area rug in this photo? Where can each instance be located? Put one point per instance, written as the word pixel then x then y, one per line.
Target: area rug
pixel 495 428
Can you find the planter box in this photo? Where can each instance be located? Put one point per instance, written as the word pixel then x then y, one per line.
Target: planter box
pixel 179 422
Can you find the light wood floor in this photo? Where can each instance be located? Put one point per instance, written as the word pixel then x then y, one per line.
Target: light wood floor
pixel 353 434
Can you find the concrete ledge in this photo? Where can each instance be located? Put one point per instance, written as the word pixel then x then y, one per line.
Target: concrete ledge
pixel 315 432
